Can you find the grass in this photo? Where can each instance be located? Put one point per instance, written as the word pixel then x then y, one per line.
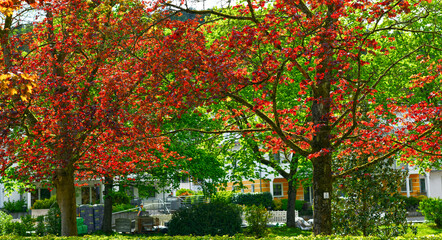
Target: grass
pixel 287 232
pixel 425 229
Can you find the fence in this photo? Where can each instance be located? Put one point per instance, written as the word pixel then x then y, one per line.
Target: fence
pixel 280 216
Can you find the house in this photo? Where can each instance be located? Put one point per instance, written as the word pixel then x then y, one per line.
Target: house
pixel 92 193
pixel 416 184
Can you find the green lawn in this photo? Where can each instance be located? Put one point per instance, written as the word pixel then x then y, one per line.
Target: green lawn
pixel 426 229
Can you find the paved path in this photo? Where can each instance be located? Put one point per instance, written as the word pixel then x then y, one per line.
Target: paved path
pixel 418 219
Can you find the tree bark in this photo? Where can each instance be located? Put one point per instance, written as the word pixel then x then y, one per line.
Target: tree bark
pixel 291 203
pixel 107 218
pixel 322 190
pixel 321 145
pixel 64 184
pixel 6 46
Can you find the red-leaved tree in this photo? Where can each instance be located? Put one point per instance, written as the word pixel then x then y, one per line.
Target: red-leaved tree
pixel 324 79
pixel 87 116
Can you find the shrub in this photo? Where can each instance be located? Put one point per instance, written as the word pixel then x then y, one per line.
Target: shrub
pixel 54 221
pixel 371 204
pixel 45 203
pixel 206 219
pixel 121 207
pixel 298 204
pixel 120 198
pixel 431 208
pixel 184 192
pixel 248 199
pixel 257 217
pixel 411 203
pixel 277 204
pixel 15 206
pixel 28 223
pixel 7 226
pixel 222 197
pixel 40 229
pixel 5 221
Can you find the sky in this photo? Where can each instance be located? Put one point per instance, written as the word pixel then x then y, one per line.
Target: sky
pixel 35 16
pixel 206 4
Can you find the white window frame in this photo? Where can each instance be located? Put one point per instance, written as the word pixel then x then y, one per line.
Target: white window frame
pixel 404 185
pixel 282 189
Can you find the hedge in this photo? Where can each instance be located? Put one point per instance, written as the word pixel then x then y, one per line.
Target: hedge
pixel 265 199
pixel 239 236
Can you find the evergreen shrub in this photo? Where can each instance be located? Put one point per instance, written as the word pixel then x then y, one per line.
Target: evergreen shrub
pixel 15 206
pixel 45 203
pixel 120 198
pixel 206 219
pixel 257 218
pixel 54 221
pixel 248 199
pixel 298 204
pixel 222 197
pixel 431 208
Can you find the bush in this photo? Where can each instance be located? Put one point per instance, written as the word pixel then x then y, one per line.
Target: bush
pixel 28 223
pixel 40 229
pixel 248 199
pixel 54 221
pixel 411 203
pixel 45 203
pixel 206 219
pixel 298 204
pixel 15 206
pixel 7 226
pixel 370 204
pixel 121 207
pixel 184 192
pixel 431 208
pixel 5 221
pixel 222 197
pixel 120 198
pixel 277 204
pixel 257 218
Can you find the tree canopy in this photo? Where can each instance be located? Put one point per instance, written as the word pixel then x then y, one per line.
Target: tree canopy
pixel 320 80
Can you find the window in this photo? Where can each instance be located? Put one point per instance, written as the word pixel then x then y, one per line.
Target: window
pixel 253 187
pixel 277 189
pixel 404 186
pixel 45 193
pixel 308 194
pixel 423 185
pixel 40 194
pixel 90 195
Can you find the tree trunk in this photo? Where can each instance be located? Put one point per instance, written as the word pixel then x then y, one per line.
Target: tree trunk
pixel 291 203
pixel 6 46
pixel 107 218
pixel 64 184
pixel 322 190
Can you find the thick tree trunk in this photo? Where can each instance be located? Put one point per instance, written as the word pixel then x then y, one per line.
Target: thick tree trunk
pixel 64 184
pixel 6 46
pixel 291 203
pixel 322 190
pixel 321 145
pixel 107 218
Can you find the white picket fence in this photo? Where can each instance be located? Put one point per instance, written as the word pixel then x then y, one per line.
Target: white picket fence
pixel 280 216
pixel 276 217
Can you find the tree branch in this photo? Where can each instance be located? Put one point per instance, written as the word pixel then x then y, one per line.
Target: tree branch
pixel 390 154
